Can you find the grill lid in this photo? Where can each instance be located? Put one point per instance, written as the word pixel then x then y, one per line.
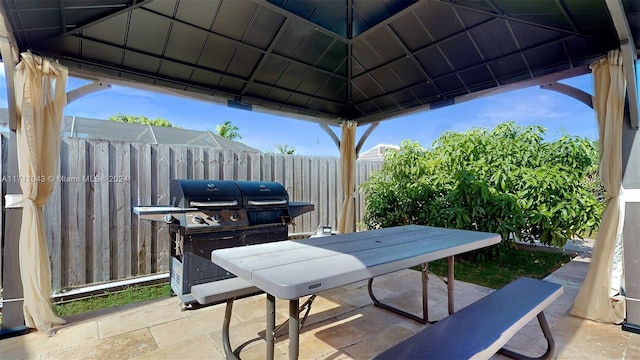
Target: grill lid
pixel 263 195
pixel 187 193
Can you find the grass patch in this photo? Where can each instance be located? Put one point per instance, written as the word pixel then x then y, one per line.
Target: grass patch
pixel 497 273
pixel 109 299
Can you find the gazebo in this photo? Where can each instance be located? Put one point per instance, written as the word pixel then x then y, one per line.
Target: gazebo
pixel 339 63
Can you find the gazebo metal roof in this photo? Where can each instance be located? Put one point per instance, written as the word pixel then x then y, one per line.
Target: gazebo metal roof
pixel 363 60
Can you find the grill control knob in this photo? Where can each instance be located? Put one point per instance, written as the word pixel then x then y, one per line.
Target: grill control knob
pixel 216 217
pixel 169 219
pixel 234 217
pixel 198 220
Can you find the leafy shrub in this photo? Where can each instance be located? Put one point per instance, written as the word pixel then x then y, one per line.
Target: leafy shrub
pixel 506 180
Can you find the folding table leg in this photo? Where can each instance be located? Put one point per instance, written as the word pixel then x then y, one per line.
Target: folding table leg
pixel 450 281
pixel 271 324
pixel 294 329
pixel 269 333
pixel 226 342
pixel 425 311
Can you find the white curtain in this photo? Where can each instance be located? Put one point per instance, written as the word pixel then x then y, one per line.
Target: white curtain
pixel 348 172
pixel 595 300
pixel 40 86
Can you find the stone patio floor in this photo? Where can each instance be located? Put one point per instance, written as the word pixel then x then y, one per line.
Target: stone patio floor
pixel 343 324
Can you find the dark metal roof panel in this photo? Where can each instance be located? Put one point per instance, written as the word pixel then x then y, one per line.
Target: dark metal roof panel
pixel 165 7
pixel 460 52
pixel 150 32
pixel 200 13
pixel 233 20
pixel 243 62
pixel 205 78
pixel 485 39
pixel 439 20
pixel 187 51
pixel 136 60
pixel 96 51
pixel 263 28
pixel 112 30
pixel 174 70
pixel 433 61
pixel 217 53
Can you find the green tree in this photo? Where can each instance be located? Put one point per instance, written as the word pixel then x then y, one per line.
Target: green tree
pixel 140 119
pixel 285 149
pixel 228 130
pixel 506 180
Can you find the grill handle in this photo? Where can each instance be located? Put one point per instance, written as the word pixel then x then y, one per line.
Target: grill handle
pixel 214 203
pixel 267 202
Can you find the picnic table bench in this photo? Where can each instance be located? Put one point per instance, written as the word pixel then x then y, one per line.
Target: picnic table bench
pixel 482 329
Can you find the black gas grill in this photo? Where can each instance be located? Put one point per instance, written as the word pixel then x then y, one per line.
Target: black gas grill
pixel 205 215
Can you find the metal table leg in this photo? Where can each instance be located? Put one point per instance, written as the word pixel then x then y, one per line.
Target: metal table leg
pixel 425 313
pixel 450 281
pixel 425 308
pixel 294 329
pixel 271 324
pixel 226 343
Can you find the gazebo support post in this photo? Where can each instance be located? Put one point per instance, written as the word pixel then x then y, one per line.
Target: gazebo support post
pixel 12 314
pixel 631 229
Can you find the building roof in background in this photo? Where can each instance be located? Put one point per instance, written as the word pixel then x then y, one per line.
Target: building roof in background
pixel 86 128
pixel 377 153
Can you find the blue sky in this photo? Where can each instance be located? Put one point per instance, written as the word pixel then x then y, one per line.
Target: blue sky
pixel 558 113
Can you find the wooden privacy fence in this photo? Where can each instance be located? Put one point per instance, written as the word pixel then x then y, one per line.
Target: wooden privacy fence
pixel 94 236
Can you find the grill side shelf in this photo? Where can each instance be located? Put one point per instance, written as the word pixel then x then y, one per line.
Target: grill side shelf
pixel 158 213
pixel 297 208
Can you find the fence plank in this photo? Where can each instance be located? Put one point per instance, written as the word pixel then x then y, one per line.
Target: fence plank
pixel 255 166
pixel 121 210
pixel 76 201
pixel 241 166
pixel 180 163
pixel 229 165
pixel 100 214
pixel 305 181
pixel 56 231
pixel 215 164
pixel 323 193
pixel 199 170
pixel 143 178
pixel 267 167
pixel 161 234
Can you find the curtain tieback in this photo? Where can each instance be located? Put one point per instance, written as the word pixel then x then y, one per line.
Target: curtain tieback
pixel 17 201
pixel 13 201
pixel 629 195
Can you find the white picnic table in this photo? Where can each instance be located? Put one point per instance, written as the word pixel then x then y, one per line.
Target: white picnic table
pixel 290 270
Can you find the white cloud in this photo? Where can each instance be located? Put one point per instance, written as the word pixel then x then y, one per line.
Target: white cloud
pixel 524 107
